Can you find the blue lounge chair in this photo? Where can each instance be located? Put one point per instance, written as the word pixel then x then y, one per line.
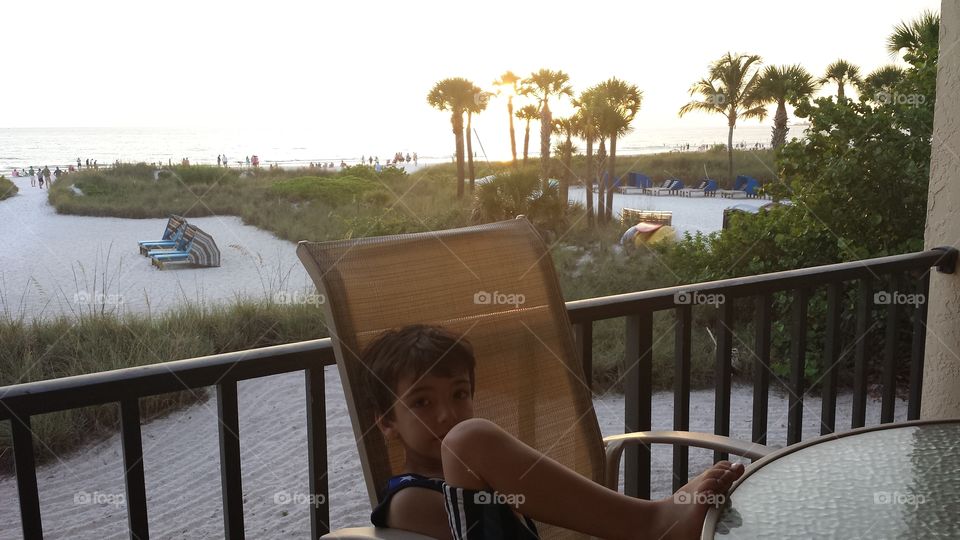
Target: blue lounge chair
pixel 745 187
pixel 707 188
pixel 147 247
pixel 179 254
pixel 665 186
pixel 171 235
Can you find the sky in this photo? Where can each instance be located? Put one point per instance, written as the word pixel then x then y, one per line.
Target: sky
pixel 363 69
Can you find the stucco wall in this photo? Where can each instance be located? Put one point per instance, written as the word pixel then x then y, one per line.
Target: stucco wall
pixel 941 377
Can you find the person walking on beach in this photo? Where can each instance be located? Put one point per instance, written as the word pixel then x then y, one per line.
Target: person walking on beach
pixel 218 160
pixel 78 164
pixel 46 176
pixel 33 179
pixel 57 173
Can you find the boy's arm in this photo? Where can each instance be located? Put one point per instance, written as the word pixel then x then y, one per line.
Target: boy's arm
pixel 419 510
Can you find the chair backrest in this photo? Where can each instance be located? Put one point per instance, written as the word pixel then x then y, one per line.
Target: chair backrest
pixel 496 285
pixel 186 241
pixel 667 183
pixel 174 224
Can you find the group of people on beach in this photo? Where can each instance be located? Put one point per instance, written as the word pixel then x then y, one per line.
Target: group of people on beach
pixel 398 159
pixel 249 160
pixel 90 163
pixel 40 176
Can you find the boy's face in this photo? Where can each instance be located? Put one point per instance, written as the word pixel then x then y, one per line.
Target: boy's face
pixel 426 410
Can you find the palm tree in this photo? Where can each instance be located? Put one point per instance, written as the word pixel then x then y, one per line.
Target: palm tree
pixel 586 129
pixel 527 113
pixel 455 95
pixel 509 81
pixel 543 84
pixel 880 84
pixel 920 37
pixel 782 85
pixel 841 72
pixel 730 89
pixel 566 127
pixel 478 105
pixel 620 102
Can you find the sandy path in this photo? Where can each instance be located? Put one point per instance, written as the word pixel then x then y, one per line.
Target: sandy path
pixel 181 461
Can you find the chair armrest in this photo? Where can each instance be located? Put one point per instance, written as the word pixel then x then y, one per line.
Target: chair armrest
pixel 375 533
pixel 615 444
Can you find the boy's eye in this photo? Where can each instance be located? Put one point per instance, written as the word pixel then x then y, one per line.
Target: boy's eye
pixel 422 402
pixel 461 394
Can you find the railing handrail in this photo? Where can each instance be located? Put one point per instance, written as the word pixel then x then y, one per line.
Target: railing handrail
pixel 141 381
pixel 622 305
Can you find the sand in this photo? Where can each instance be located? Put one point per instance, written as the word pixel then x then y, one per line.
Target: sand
pixel 54 264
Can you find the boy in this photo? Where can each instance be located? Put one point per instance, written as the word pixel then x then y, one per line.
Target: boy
pixel 422 381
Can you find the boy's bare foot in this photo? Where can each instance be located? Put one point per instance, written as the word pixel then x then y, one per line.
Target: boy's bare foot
pixel 684 511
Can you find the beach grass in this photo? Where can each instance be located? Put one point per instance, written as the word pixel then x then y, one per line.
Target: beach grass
pixel 87 343
pixel 7 188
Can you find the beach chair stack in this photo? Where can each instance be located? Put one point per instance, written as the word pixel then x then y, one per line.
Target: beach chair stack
pixel 182 242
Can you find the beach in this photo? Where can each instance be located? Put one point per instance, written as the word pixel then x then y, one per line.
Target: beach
pixel 53 264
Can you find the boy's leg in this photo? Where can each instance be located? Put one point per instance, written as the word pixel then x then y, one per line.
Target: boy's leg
pixel 478 454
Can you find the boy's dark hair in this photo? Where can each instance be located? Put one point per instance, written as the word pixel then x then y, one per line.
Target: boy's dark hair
pixel 416 350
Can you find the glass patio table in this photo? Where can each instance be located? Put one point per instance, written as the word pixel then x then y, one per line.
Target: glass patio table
pixel 888 481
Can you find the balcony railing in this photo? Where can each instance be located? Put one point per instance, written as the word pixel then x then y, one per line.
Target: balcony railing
pixel 126 387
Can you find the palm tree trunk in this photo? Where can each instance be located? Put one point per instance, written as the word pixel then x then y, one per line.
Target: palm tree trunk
pixel 513 135
pixel 470 149
pixel 457 121
pixel 730 154
pixel 546 123
pixel 567 173
pixel 840 95
pixel 601 188
pixel 588 181
pixel 526 142
pixel 612 173
pixel 779 126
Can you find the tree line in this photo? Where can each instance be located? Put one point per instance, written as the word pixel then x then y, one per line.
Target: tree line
pixel 736 86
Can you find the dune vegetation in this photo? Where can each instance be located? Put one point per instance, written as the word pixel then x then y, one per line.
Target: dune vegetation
pixel 7 188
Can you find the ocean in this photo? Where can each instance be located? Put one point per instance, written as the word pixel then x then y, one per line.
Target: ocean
pixel 25 147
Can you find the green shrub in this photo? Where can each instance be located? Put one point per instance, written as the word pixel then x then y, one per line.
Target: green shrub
pixel 7 188
pixel 332 191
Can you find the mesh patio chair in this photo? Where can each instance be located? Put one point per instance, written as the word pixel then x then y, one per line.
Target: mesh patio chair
pixel 496 285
